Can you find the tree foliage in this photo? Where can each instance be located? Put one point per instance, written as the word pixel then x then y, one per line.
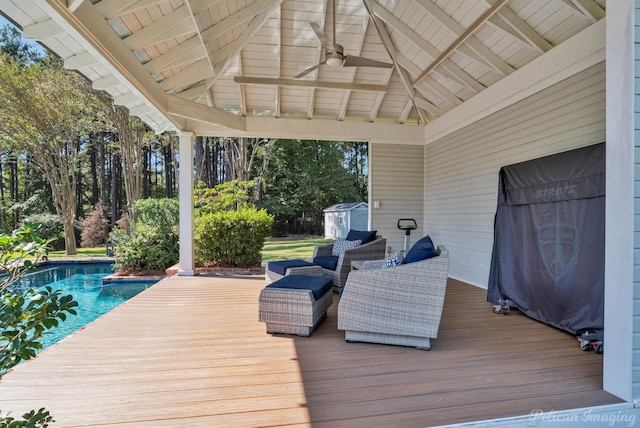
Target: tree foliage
pixel 232 195
pixel 302 178
pixel 45 110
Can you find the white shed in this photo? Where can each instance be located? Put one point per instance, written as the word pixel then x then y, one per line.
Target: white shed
pixel 339 218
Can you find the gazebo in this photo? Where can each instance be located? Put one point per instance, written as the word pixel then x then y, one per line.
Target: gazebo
pixel 445 92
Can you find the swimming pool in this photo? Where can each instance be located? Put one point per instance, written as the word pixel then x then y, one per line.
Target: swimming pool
pixel 84 282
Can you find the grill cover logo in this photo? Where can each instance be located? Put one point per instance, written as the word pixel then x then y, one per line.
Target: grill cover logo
pixel 558 245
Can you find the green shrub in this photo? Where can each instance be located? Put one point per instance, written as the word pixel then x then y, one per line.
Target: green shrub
pixel 146 247
pixel 163 213
pixel 231 238
pixel 152 243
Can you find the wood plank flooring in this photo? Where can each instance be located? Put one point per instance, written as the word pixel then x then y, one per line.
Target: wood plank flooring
pixel 189 352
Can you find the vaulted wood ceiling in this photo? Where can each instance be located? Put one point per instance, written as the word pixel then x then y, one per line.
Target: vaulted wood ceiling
pixel 207 65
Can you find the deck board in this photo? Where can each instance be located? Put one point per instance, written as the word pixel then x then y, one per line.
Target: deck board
pixel 189 351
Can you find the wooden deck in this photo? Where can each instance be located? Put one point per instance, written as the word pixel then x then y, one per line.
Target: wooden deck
pixel 190 352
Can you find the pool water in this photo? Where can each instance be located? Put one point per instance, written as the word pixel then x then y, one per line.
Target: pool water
pixel 84 283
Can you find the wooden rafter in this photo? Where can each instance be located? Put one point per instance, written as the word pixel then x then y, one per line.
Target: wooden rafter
pixel 175 24
pixel 423 45
pixel 237 45
pixel 509 21
pixel 111 9
pixel 314 74
pixel 473 48
pixel 391 50
pixel 188 109
pixel 277 100
pixel 467 34
pixel 587 8
pixel 342 111
pixel 366 87
pixel 186 52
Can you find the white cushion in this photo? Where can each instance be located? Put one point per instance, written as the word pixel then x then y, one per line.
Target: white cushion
pixel 394 260
pixel 342 244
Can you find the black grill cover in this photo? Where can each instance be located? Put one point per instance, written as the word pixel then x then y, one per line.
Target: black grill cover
pixel 548 249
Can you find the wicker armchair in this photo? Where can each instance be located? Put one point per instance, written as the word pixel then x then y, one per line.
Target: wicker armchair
pixel 401 305
pixel 370 251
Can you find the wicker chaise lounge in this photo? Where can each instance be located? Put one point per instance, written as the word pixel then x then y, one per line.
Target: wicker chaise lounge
pixel 401 305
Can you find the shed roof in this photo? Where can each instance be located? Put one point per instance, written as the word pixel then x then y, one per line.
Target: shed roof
pixel 346 206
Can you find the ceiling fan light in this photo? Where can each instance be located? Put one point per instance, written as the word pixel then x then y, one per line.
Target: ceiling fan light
pixel 333 61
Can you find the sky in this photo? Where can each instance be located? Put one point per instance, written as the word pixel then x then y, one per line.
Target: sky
pixel 4 21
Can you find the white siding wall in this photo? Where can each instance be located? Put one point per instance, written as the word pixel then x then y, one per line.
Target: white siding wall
pixel 461 169
pixel 636 240
pixel 396 181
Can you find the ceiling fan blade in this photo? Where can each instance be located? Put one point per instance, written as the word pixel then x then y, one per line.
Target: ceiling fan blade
pixel 324 39
pixel 307 71
pixel 357 61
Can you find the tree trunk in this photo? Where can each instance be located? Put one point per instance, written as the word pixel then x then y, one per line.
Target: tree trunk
pixel 13 186
pixel 200 160
pixel 214 177
pixel 1 181
pixel 70 235
pixel 168 168
pixel 79 212
pixel 114 188
pixel 146 173
pixel 95 188
pixel 102 161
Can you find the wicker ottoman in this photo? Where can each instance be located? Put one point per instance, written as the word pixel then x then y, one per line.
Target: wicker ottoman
pixel 279 269
pixel 295 304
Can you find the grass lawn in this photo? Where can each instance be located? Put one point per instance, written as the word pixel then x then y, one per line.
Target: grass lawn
pixel 274 249
pixel 82 252
pixel 291 248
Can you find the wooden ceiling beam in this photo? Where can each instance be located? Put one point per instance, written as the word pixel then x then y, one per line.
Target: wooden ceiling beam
pixel 406 111
pixel 393 53
pixel 344 105
pixel 115 8
pixel 194 73
pixel 422 44
pixel 233 49
pixel 590 9
pixel 171 25
pixel 462 38
pixel 184 53
pixel 188 109
pixel 311 102
pixel 365 87
pixel 42 30
pixel 509 21
pixel 231 21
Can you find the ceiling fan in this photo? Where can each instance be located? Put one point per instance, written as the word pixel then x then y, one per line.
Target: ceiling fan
pixel 334 53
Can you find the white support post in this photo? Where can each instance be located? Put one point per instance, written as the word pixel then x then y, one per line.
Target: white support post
pixel 185 188
pixel 619 242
